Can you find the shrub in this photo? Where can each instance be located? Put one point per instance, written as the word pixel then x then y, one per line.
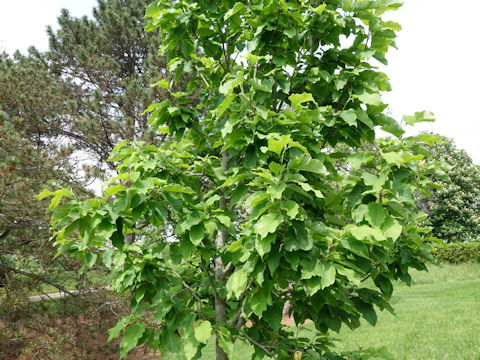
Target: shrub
pixel 456 253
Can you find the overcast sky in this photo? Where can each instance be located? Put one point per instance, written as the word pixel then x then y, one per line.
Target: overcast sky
pixel 436 67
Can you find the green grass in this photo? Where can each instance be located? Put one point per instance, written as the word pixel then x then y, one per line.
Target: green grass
pixel 438 317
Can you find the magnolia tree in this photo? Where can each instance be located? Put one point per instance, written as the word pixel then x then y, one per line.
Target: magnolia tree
pixel 244 194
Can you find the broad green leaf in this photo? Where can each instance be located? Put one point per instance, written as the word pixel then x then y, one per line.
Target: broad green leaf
pixel 235 246
pixel 297 238
pixel 371 99
pixel 225 104
pixel 162 309
pixel 394 158
pixel 190 347
pixel 224 220
pixel 355 246
pixel 278 143
pixel 421 116
pixel 202 330
pixel 273 316
pixel 170 341
pixel 392 228
pixel 375 214
pixel 264 245
pixel 112 190
pixel 236 284
pixel 117 329
pixel 319 9
pixel 313 285
pixel 349 116
pixel 276 191
pixel 359 213
pixel 163 84
pixel 130 338
pixel 178 189
pixel 305 163
pixel 365 232
pixel 58 195
pixel 298 99
pixel 225 342
pixel 368 313
pixel 196 234
pixel 268 224
pixel 327 274
pixel 376 182
pixel 291 208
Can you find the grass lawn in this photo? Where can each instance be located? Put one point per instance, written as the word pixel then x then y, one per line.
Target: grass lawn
pixel 437 318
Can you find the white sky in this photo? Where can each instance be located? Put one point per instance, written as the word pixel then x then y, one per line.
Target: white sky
pixel 436 67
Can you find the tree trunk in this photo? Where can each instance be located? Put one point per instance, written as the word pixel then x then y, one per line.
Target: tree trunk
pixel 220 306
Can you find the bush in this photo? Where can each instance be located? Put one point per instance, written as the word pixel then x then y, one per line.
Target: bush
pixel 456 253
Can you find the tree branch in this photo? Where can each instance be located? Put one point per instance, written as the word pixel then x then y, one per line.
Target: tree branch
pixel 257 344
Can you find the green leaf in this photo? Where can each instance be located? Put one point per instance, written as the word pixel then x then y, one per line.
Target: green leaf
pixel 224 220
pixel 225 104
pixel 319 9
pixel 359 213
pixel 273 316
pixel 238 7
pixel 395 158
pixel 370 99
pixel 202 331
pixel 327 274
pixel 58 195
pixel 291 208
pixel 225 342
pixel 277 143
pixel 356 247
pixel 375 214
pixel 235 246
pixel 196 234
pixel 388 124
pixel 298 99
pixel 392 229
pixel 349 116
pixel 368 313
pixel 376 182
pixel 306 163
pixel 130 338
pixel 276 191
pixel 236 284
pixel 162 309
pixel 297 238
pixel 264 245
pixel 163 84
pixel 268 224
pixel 178 189
pixel 365 232
pixel 421 116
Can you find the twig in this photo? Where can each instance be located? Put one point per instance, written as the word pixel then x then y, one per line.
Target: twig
pixel 256 343
pixel 194 294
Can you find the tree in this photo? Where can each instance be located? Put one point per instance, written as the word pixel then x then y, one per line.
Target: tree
pixel 454 206
pixel 109 61
pixel 31 102
pixel 250 208
pixel 63 111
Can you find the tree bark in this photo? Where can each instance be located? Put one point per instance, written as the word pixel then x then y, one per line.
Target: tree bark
pixel 220 306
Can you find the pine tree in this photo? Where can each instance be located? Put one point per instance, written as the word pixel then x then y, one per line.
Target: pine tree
pixel 110 61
